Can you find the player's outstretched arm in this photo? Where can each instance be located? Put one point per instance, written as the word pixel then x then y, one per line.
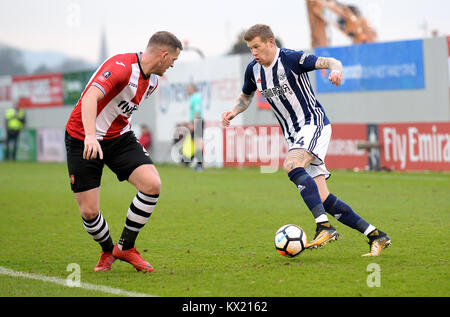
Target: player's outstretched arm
pixel 242 104
pixel 88 116
pixel 334 65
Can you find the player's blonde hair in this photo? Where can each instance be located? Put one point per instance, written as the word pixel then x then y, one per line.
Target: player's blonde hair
pixel 263 31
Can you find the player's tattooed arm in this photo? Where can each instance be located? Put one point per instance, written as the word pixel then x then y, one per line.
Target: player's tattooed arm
pixel 329 63
pixel 241 105
pixel 334 65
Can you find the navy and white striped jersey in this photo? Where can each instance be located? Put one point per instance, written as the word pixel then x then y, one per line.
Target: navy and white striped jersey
pixel 286 86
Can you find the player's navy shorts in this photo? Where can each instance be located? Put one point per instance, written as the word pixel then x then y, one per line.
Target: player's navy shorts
pixel 122 155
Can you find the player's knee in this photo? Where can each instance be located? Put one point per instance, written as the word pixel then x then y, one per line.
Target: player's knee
pixel 89 212
pixel 290 164
pixel 152 186
pixel 297 158
pixel 87 205
pixel 157 185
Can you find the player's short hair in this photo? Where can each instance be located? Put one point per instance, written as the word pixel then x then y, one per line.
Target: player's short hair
pixel 164 38
pixel 263 31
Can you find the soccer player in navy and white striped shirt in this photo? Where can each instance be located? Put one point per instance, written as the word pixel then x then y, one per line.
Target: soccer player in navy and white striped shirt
pixel 281 77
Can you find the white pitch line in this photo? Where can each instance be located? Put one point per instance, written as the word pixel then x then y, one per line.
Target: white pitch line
pixel 63 282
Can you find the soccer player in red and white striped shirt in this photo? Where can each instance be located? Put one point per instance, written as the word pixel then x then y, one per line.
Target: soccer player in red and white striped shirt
pixel 99 133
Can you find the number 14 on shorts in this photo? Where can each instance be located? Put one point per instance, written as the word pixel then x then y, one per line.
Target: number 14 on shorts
pixel 300 141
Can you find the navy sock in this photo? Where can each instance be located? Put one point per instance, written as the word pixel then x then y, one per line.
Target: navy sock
pixel 345 214
pixel 309 192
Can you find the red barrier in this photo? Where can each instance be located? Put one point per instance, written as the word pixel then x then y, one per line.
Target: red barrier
pixel 343 152
pixel 264 145
pixel 257 145
pixel 5 88
pixel 39 90
pixel 415 146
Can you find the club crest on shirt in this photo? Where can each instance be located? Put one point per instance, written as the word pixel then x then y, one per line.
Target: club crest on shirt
pixel 281 76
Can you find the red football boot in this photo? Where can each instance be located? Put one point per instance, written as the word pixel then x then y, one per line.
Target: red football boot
pixel 133 257
pixel 105 262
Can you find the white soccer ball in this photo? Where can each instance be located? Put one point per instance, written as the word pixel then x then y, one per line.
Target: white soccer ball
pixel 290 240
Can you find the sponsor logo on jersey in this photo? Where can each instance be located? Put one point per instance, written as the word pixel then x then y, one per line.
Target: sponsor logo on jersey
pixel 276 91
pixel 127 109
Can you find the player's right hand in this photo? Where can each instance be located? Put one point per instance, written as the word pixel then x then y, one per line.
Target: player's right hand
pixel 227 116
pixel 91 148
pixel 335 77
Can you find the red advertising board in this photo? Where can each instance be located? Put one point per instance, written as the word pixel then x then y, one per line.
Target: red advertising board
pixel 5 88
pixel 264 145
pixel 258 145
pixel 343 152
pixel 415 146
pixel 39 90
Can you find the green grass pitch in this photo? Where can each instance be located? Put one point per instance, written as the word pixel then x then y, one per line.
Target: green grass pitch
pixel 212 233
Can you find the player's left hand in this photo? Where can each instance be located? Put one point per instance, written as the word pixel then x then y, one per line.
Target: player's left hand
pixel 335 77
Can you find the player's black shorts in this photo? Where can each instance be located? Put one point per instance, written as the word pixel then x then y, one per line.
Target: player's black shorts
pixel 122 155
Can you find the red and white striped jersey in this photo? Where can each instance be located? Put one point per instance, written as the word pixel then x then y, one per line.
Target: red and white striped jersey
pixel 124 86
